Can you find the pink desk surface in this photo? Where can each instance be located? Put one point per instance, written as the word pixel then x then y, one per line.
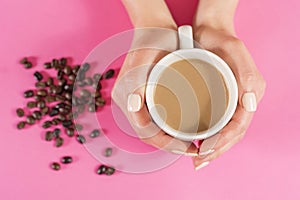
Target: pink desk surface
pixel 265 165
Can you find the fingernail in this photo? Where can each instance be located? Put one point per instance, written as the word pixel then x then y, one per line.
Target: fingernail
pixel 202 165
pixel 134 103
pixel 249 101
pixel 208 145
pixel 184 153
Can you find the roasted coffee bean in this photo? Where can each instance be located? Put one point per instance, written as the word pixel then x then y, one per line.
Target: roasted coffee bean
pixel 60 98
pixel 47 124
pixel 56 121
pixel 108 152
pixel 62 111
pixel 59 142
pixel 92 108
pixel 74 101
pixel 66 160
pixel 101 169
pixel 85 67
pixel 75 69
pixel 72 115
pixel 31 104
pixel 96 94
pixel 38 97
pixel 50 98
pixel 21 125
pixel 85 93
pixel 47 65
pixel 68 95
pixel 109 171
pixel 37 115
pixel 54 63
pixel 28 65
pixel 68 88
pixel 100 101
pixel 97 77
pixel 81 139
pixel 30 119
pixel 28 93
pixel 95 133
pixel 70 132
pixel 40 84
pixel 24 60
pixel 80 108
pixel 41 104
pixel 78 127
pixel 56 132
pixel 38 76
pixel 55 166
pixel 72 77
pixel 42 93
pixel 109 74
pixel 49 81
pixel 61 117
pixel 60 105
pixel 80 83
pixel 67 70
pixel 54 112
pixel 97 86
pixel 20 112
pixel 60 74
pixel 48 136
pixel 56 89
pixel 67 123
pixel 45 110
pixel 88 81
pixel 63 61
pixel 62 82
pixel 68 107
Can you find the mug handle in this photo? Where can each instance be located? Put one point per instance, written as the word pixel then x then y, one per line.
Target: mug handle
pixel 185 35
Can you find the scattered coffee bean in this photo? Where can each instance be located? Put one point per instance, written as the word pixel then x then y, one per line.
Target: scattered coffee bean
pixel 68 88
pixel 72 77
pixel 60 74
pixel 56 132
pixel 100 101
pixel 109 74
pixel 75 69
pixel 31 104
pixel 60 98
pixel 20 112
pixel 68 95
pixel 55 121
pixel 97 86
pixel 42 93
pixel 92 108
pixel 88 81
pixel 63 61
pixel 67 123
pixel 48 136
pixel 37 115
pixel 28 93
pixel 47 124
pixel 95 133
pixel 97 77
pixel 55 166
pixel 40 84
pixel 85 67
pixel 24 60
pixel 85 93
pixel 38 97
pixel 45 110
pixel 67 70
pixel 80 138
pixel 70 132
pixel 30 120
pixel 59 142
pixel 41 104
pixel 49 81
pixel 38 76
pixel 66 159
pixel 47 65
pixel 21 125
pixel 28 65
pixel 102 169
pixel 61 117
pixel 96 94
pixel 54 112
pixel 49 99
pixel 62 82
pixel 108 152
pixel 80 83
pixel 54 63
pixel 110 171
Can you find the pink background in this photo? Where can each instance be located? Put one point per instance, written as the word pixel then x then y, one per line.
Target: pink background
pixel 265 165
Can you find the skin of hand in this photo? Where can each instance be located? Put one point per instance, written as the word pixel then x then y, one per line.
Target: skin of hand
pixel 214 30
pixel 148 47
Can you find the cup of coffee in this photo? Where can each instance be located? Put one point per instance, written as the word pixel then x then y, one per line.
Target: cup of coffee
pixel 191 93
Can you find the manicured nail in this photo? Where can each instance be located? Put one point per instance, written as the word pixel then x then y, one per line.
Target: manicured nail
pixel 202 165
pixel 184 153
pixel 208 145
pixel 134 103
pixel 249 101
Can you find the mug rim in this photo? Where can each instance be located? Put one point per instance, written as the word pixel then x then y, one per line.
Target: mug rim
pixel 219 64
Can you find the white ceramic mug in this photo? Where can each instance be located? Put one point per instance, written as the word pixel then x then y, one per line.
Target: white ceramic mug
pixel 187 51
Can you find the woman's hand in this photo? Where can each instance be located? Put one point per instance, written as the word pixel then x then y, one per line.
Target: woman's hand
pixel 148 47
pixel 218 36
